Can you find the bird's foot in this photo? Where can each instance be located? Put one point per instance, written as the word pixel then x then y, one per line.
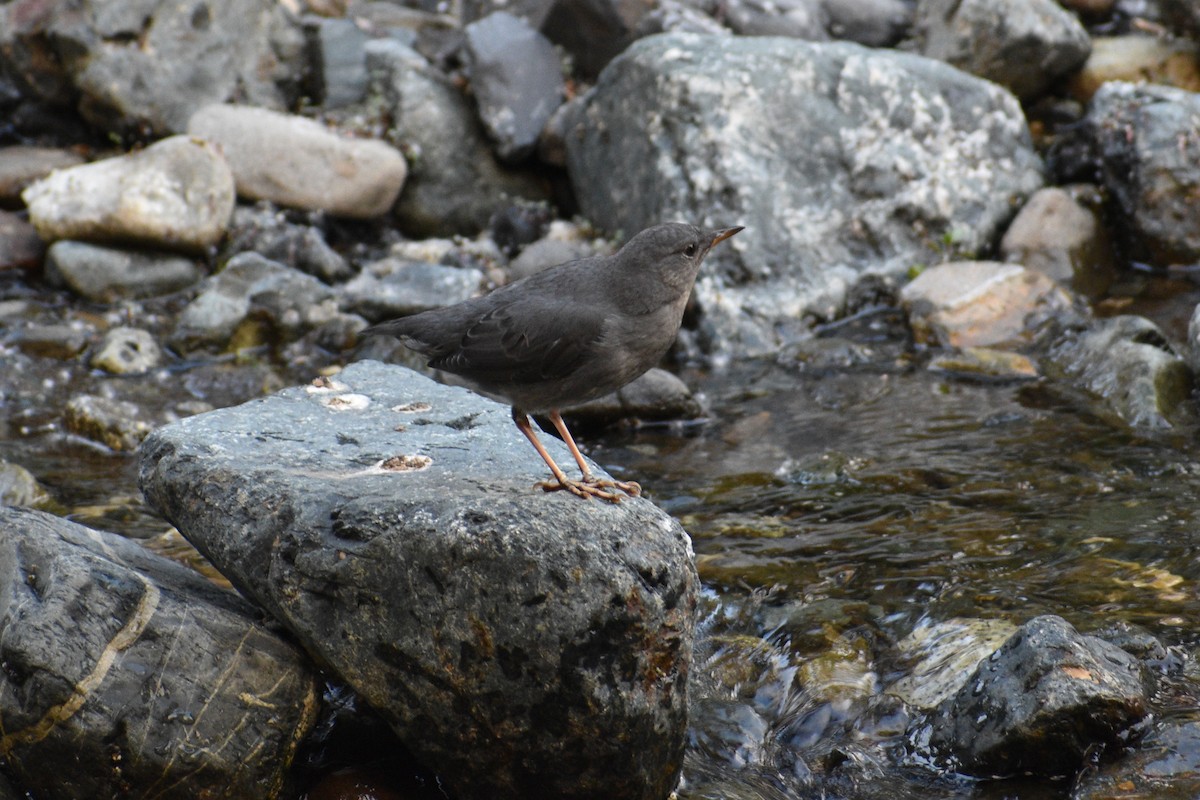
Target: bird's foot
pixel 591 487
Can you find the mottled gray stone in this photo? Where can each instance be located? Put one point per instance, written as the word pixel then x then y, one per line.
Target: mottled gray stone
pixel 523 644
pixel 516 76
pixel 455 183
pixel 126 674
pixel 105 274
pixel 1146 139
pixel 266 230
pixel 1041 703
pixel 177 194
pixel 395 287
pixel 339 50
pixel 801 19
pixel 834 157
pixel 1024 45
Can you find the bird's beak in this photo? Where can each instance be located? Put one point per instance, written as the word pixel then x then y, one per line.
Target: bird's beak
pixel 725 234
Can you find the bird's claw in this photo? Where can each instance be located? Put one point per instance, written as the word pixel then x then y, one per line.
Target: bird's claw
pixel 591 487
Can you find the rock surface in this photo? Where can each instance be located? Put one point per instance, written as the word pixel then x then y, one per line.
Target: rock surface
pixel 177 194
pixel 455 183
pixel 517 79
pixel 982 303
pixel 832 155
pixel 1024 45
pixel 295 161
pixel 1041 703
pixel 522 644
pixel 22 165
pixel 1060 233
pixel 134 676
pixel 1146 138
pixel 1127 364
pixel 106 274
pixel 143 66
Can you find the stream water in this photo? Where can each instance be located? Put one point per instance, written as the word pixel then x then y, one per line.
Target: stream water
pixel 851 510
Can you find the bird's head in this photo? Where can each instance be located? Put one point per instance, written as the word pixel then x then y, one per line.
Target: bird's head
pixel 674 250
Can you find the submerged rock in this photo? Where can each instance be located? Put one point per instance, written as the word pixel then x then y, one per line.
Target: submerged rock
pixel 522 644
pixel 127 674
pixel 832 155
pixel 1128 365
pixel 1041 703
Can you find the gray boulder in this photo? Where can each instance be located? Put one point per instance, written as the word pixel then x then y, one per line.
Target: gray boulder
pixel 834 157
pixel 522 644
pixel 1024 45
pixel 267 231
pixel 127 674
pixel 455 183
pixel 516 76
pixel 1145 138
pixel 1041 703
pixel 394 287
pixel 142 66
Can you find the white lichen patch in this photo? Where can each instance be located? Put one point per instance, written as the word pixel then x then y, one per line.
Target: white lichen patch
pixel 325 385
pixel 405 463
pixel 412 408
pixel 346 402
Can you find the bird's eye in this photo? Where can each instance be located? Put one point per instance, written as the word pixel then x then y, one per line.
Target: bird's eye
pixel 690 251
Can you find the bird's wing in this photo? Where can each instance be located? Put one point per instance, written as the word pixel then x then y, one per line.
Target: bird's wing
pixel 520 343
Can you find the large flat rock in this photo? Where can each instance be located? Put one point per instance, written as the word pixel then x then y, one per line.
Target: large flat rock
pixel 523 644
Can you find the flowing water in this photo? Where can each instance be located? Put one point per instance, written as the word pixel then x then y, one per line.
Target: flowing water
pixel 851 511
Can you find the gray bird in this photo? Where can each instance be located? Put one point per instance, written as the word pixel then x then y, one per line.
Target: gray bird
pixel 568 334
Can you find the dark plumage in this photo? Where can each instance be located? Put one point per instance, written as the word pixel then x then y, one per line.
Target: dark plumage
pixel 569 334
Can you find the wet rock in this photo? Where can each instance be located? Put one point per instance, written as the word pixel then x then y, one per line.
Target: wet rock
pixel 127 351
pixel 1127 364
pixel 127 674
pixel 252 289
pixel 116 424
pixel 20 245
pixel 1166 762
pixel 516 76
pixel 340 61
pixel 1024 45
pixel 106 274
pixel 874 23
pixel 266 231
pixel 1137 59
pixel 983 304
pixel 655 396
pixel 177 194
pixel 1041 703
pixel 1059 232
pixel 943 655
pixel 849 179
pixel 393 287
pixel 522 644
pixel 800 19
pixel 145 67
pixel 63 342
pixel 454 184
pixel 21 165
pixel 296 161
pixel 984 362
pixel 1147 137
pixel 19 487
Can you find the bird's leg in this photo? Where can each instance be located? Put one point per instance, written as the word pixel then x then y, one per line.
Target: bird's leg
pixel 578 488
pixel 631 488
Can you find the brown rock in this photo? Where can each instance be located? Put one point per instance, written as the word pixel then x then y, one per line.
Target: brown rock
pixel 1060 235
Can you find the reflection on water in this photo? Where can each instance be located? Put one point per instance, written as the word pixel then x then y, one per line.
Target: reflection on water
pixel 835 513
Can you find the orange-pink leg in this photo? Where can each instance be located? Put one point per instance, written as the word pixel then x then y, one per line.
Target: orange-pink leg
pixel 587 488
pixel 631 488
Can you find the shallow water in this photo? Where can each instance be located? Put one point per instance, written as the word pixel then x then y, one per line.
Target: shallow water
pixel 840 499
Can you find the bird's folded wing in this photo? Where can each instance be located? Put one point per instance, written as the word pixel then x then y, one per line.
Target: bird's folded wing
pixel 520 343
